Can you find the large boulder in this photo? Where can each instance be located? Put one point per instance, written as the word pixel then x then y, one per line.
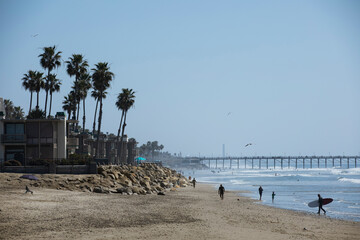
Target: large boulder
pixel 100 189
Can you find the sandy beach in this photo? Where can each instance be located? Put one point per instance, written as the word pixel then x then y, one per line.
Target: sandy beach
pixel 187 213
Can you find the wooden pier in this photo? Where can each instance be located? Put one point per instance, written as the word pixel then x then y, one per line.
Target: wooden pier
pixel 278 161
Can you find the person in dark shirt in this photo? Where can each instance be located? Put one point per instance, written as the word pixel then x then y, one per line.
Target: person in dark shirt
pixel 321 204
pixel 221 191
pixel 260 191
pixel 194 182
pixel 273 196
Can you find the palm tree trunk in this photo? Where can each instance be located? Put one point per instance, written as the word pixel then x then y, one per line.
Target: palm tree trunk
pixel 122 136
pixel 50 103
pixel 117 139
pixel 37 100
pixel 31 95
pixel 77 114
pixel 99 128
pixel 84 118
pixel 118 135
pixel 97 103
pixel 47 84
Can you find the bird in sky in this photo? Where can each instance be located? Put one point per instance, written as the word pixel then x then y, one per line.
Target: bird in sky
pixel 249 144
pixel 229 113
pixel 34 35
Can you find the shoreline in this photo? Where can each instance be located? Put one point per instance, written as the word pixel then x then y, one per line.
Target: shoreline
pixel 258 202
pixel 187 213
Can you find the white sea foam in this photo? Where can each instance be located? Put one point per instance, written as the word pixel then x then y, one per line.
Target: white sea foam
pixel 352 180
pixel 237 182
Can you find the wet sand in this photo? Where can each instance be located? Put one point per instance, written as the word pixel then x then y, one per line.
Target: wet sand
pixel 187 213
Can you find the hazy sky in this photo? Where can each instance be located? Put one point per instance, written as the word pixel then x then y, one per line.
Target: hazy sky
pixel 283 75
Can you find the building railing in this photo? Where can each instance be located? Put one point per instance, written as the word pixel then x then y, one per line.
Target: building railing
pixel 43 140
pixel 13 138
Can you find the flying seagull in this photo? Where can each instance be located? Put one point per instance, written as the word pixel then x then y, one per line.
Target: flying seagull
pixel 229 113
pixel 35 35
pixel 248 144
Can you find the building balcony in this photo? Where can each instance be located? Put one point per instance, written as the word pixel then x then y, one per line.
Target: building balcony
pixel 13 138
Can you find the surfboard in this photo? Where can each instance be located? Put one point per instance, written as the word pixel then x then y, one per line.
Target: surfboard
pixel 316 202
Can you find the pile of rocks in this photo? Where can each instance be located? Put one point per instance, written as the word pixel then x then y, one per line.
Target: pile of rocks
pixel 130 180
pixel 146 178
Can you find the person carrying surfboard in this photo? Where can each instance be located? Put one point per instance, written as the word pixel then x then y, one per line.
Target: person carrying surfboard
pixel 321 204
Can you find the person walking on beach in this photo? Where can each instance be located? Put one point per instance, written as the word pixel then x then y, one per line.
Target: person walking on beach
pixel 194 182
pixel 321 204
pixel 260 192
pixel 273 196
pixel 28 190
pixel 221 191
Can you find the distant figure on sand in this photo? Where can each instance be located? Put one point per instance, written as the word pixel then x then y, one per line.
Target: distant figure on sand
pixel 260 191
pixel 28 190
pixel 273 196
pixel 321 204
pixel 221 191
pixel 194 182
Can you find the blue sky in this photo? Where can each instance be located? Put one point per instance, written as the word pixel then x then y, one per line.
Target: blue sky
pixel 283 75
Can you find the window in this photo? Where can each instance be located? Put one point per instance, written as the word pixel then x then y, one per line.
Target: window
pixel 14 128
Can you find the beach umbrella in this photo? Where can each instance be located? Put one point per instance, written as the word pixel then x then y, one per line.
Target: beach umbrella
pixel 30 177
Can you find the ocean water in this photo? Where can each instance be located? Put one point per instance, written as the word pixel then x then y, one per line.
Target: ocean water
pixel 294 188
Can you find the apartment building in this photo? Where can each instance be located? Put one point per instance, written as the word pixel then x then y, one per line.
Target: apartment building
pixel 30 139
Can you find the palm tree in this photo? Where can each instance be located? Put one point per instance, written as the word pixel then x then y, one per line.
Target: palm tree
pixel 69 104
pixel 53 86
pixel 49 60
pixel 28 84
pixel 96 95
pixel 18 113
pixel 76 97
pixel 126 100
pixel 76 66
pixel 38 85
pixel 101 79
pixel 84 86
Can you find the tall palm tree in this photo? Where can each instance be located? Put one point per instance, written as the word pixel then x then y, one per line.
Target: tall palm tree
pixel 49 60
pixel 38 85
pixel 96 95
pixel 126 100
pixel 101 79
pixel 69 104
pixel 28 84
pixel 76 66
pixel 76 97
pixel 53 86
pixel 84 86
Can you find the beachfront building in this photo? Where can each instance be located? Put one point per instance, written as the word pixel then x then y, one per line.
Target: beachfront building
pixel 27 140
pixel 56 138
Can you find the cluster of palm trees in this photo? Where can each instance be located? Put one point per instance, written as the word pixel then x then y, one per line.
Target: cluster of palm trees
pixel 151 149
pixel 77 66
pixel 34 81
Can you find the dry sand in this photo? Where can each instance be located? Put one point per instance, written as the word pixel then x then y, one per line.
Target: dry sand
pixel 187 213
